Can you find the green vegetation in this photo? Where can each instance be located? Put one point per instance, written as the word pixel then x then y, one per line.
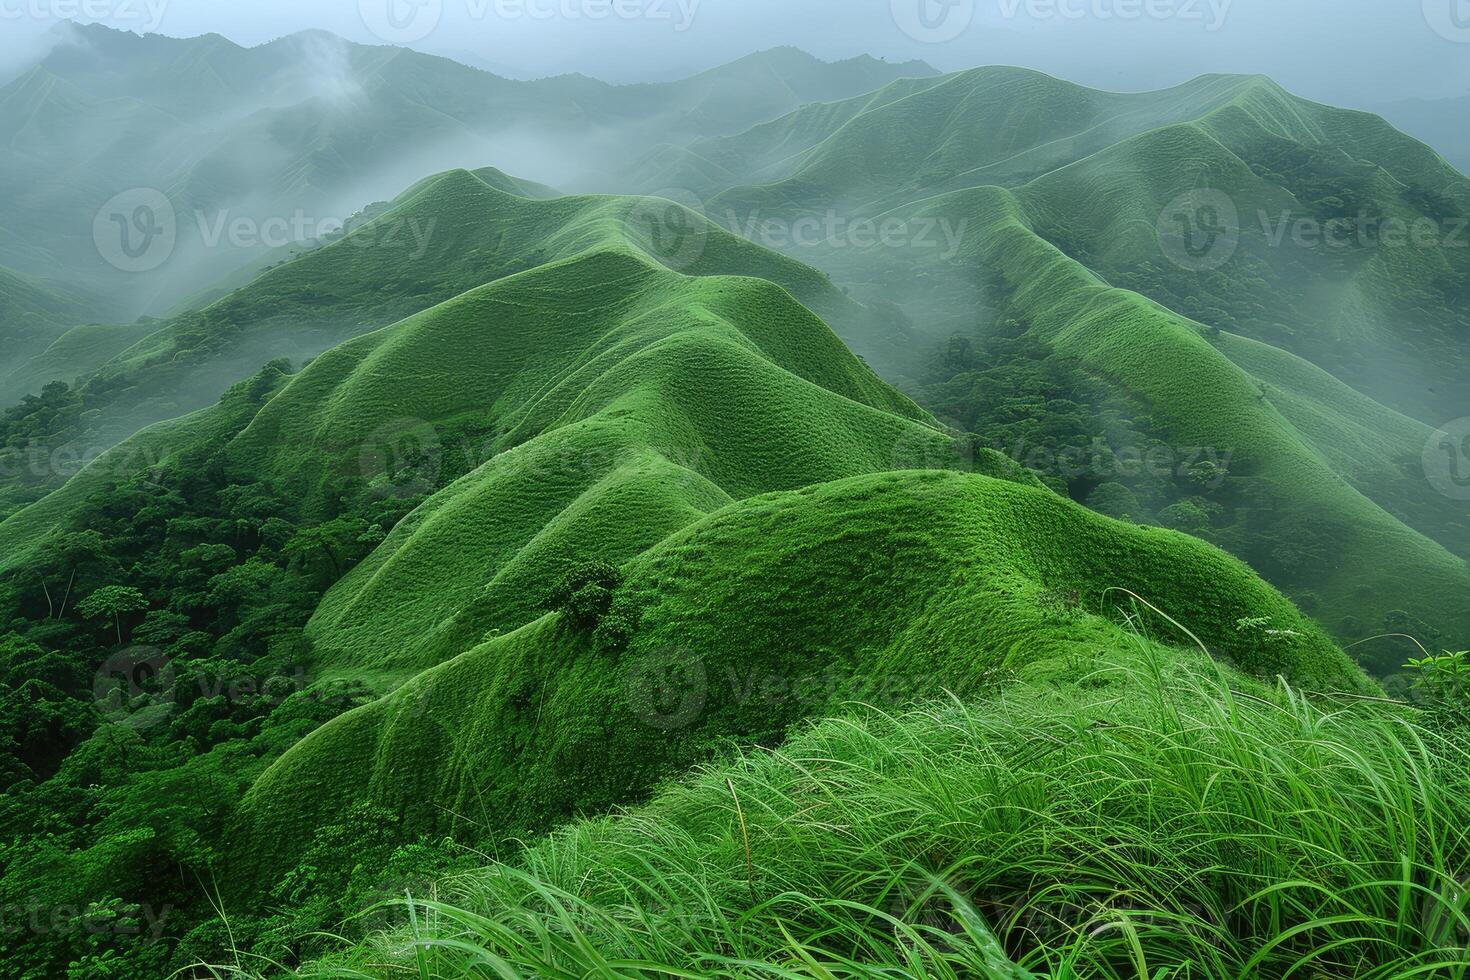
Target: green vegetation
pixel 1309 378
pixel 1150 815
pixel 580 588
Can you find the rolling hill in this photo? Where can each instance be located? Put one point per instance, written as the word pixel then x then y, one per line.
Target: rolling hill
pixel 1382 310
pixel 712 436
pixel 446 235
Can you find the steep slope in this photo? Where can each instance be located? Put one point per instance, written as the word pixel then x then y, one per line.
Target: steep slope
pixel 1438 122
pixel 611 402
pixel 1349 243
pixel 764 492
pixel 1363 566
pixel 928 841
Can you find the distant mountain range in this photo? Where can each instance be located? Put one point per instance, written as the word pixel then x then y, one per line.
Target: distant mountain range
pixel 292 136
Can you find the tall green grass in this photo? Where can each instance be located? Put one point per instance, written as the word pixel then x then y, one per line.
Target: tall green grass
pixel 1158 818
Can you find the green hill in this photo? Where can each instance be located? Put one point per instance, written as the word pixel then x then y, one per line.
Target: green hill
pixel 762 489
pixel 1284 508
pixel 1383 311
pixel 32 315
pixel 921 582
pixel 538 501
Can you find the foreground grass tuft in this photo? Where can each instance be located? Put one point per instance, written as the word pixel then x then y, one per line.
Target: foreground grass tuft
pixel 1156 819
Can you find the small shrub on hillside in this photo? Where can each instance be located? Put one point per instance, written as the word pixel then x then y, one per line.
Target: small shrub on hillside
pixel 1443 685
pixel 585 594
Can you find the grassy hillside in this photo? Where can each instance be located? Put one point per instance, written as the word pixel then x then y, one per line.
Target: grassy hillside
pixel 539 501
pixel 32 315
pixel 610 401
pixel 1338 361
pixel 768 611
pixel 1098 171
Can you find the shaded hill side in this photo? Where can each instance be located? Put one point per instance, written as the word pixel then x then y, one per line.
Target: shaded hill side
pixel 768 611
pixel 74 354
pixel 32 315
pixel 1361 564
pixel 1378 304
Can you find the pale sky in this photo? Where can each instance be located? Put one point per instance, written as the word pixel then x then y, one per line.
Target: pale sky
pixel 1345 51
